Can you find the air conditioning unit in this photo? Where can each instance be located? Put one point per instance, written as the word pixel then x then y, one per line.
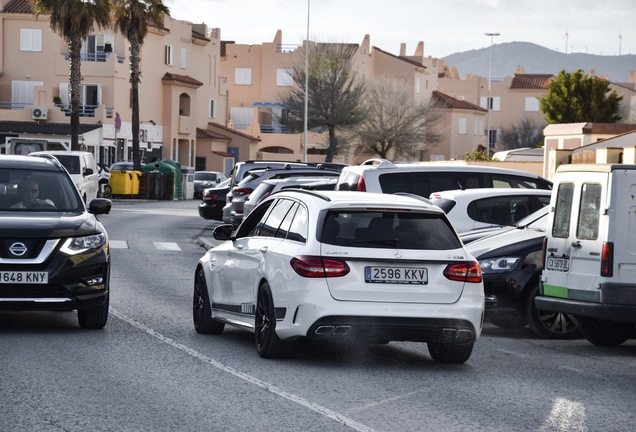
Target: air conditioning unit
pixel 40 113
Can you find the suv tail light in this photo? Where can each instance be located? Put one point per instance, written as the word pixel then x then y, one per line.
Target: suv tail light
pixel 242 191
pixel 463 272
pixel 361 186
pixel 607 259
pixel 317 267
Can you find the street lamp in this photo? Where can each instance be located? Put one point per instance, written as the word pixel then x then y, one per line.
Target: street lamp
pixel 306 86
pixel 489 101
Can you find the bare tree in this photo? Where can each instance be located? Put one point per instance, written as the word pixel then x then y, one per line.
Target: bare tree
pixel 396 125
pixel 520 135
pixel 334 97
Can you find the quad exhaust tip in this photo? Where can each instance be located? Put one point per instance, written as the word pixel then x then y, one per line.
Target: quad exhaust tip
pixel 457 334
pixel 325 330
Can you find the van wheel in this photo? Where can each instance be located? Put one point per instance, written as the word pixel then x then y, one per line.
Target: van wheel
pixel 605 333
pixel 549 325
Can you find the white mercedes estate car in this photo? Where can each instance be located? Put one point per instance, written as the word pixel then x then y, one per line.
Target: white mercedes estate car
pixel 340 265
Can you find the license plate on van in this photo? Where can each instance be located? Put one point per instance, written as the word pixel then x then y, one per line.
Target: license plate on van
pixel 399 275
pixel 557 264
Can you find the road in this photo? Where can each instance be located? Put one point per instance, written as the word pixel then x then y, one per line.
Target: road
pixel 148 370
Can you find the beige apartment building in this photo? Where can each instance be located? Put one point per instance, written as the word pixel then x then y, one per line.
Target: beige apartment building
pixel 259 74
pixel 206 103
pixel 183 96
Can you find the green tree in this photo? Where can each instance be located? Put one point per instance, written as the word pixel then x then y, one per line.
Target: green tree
pixel 74 20
pixel 521 135
pixel 334 97
pixel 575 97
pixel 395 124
pixel 131 18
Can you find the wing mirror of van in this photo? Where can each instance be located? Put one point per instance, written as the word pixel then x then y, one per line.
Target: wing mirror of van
pixel 88 171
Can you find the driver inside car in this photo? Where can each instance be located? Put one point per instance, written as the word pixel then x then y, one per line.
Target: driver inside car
pixel 29 190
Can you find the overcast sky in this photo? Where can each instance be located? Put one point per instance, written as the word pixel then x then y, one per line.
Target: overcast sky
pixel 601 27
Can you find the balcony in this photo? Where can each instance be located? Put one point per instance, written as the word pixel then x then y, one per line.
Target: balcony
pixel 274 128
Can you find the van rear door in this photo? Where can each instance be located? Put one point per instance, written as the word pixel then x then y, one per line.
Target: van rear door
pixel 576 235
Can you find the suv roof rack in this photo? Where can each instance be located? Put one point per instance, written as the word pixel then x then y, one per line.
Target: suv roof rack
pixel 380 163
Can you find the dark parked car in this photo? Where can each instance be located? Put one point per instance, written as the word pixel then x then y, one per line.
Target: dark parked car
pixel 53 251
pixel 214 200
pixel 511 263
pixel 206 179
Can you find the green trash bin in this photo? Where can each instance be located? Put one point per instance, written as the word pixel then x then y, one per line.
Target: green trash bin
pixel 169 168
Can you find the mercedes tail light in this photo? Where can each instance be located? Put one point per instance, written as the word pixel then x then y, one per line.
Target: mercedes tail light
pixel 318 267
pixel 463 272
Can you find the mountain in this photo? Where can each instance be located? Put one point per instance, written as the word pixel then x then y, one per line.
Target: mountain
pixel 536 59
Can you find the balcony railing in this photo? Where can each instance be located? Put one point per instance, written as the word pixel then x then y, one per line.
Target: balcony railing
pixel 274 128
pixel 84 110
pixel 14 105
pixel 97 57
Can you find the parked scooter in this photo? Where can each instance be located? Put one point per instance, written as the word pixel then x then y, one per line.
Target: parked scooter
pixel 104 190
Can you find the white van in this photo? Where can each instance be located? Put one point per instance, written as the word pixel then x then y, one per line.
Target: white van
pixel 590 250
pixel 82 168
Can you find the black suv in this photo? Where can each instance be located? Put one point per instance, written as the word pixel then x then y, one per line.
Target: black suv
pixel 53 251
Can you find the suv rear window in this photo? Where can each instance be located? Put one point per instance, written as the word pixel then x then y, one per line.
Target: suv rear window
pixel 425 183
pixel 387 229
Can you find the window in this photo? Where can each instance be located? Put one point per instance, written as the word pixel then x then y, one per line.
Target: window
pixel 299 226
pixel 532 104
pixel 462 126
pixel 387 230
pixel 284 78
pixel 30 40
pixel 241 117
pixel 169 59
pixel 563 210
pixel 589 212
pixel 96 47
pixel 495 103
pixel 243 76
pixel 182 58
pixel 22 92
pixel 269 227
pixel 417 86
pixel 211 109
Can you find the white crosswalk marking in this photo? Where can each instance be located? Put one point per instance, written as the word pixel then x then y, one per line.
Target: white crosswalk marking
pixel 166 246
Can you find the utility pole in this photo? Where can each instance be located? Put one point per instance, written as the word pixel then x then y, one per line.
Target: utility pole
pixel 489 101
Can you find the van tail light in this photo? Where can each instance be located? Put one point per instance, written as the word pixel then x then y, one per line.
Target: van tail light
pixel 242 191
pixel 607 259
pixel 361 186
pixel 544 249
pixel 318 267
pixel 464 272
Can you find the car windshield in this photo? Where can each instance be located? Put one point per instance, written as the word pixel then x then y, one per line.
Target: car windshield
pixel 389 229
pixel 39 191
pixel 204 176
pixel 71 163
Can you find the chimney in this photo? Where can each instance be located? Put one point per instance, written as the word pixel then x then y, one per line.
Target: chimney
pixel 402 49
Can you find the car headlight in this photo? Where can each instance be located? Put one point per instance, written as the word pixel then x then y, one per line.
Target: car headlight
pixel 499 264
pixel 75 245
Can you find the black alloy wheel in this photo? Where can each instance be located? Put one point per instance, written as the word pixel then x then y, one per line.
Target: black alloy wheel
pixel 268 344
pixel 201 311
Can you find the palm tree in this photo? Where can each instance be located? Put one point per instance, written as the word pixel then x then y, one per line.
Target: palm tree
pixel 74 20
pixel 131 18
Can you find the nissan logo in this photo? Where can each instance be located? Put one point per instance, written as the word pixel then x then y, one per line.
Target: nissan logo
pixel 18 249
